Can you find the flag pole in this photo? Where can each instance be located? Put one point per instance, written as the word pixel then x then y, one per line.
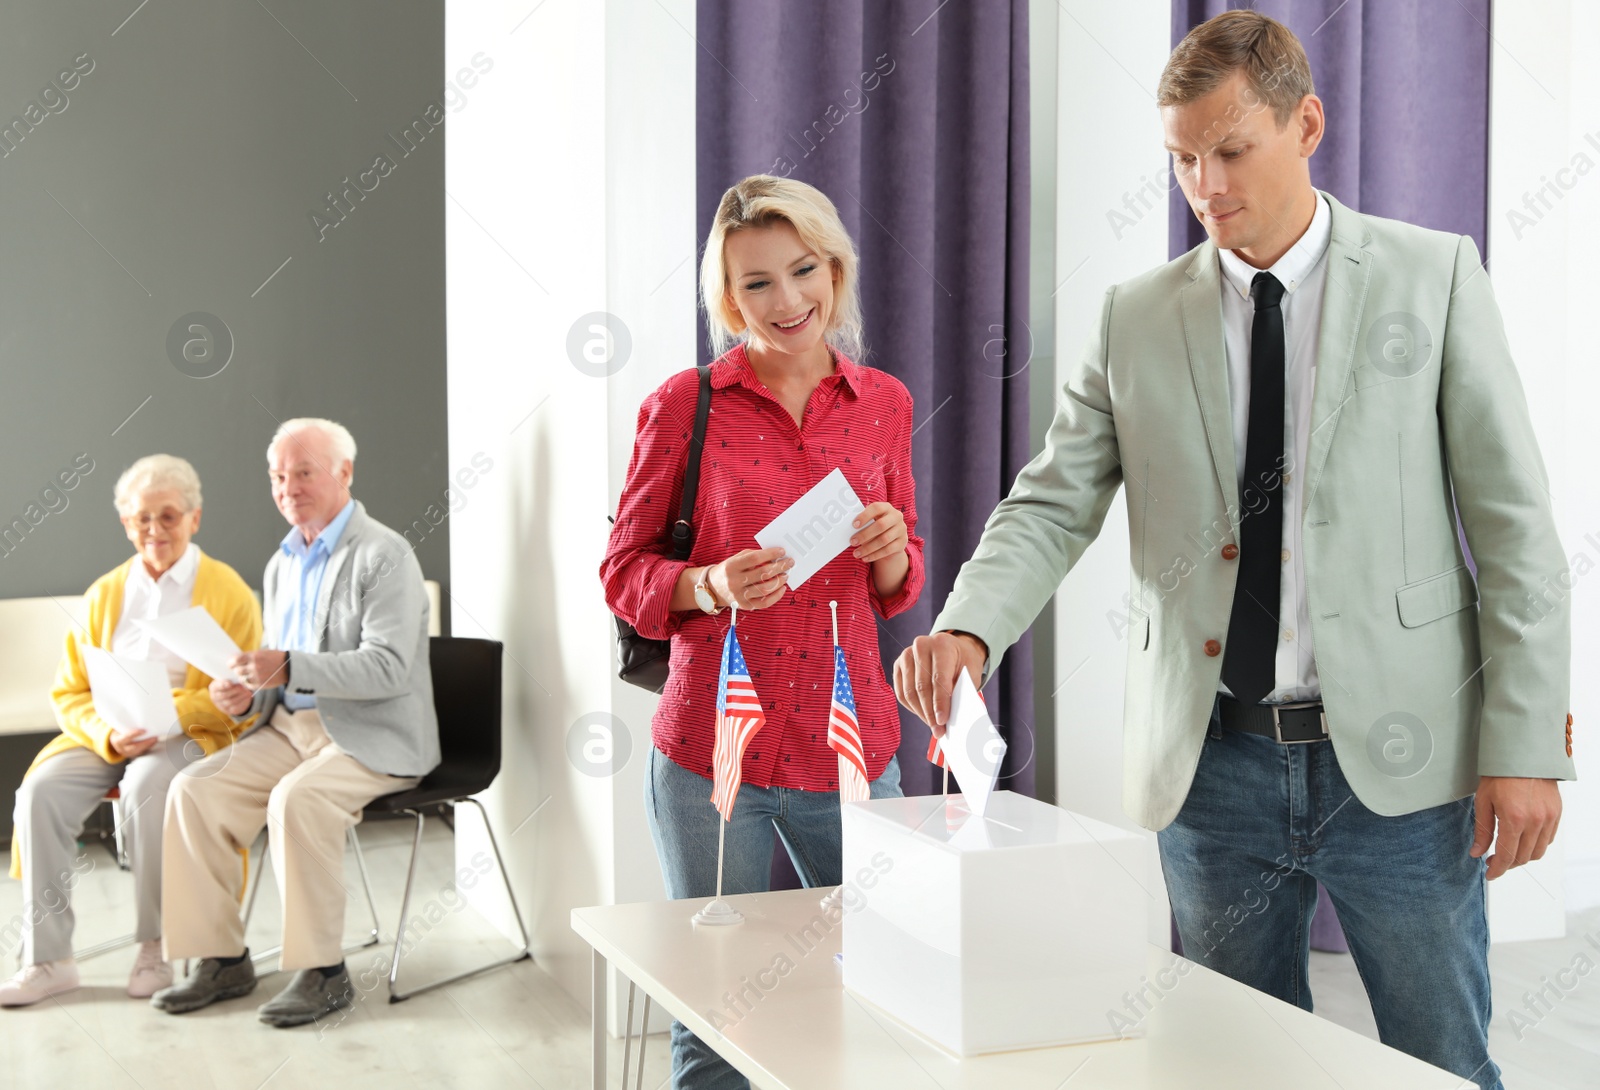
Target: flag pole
pixel 722 835
pixel 722 824
pixel 832 896
pixel 720 911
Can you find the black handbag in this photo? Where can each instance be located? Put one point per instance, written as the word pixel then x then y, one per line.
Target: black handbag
pixel 642 661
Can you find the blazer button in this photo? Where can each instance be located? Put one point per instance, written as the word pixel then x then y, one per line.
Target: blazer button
pixel 1230 551
pixel 1213 648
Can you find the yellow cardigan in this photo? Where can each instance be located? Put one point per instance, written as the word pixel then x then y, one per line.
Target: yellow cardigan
pixel 225 596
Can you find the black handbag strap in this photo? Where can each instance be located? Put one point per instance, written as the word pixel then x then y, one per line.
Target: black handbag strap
pixel 683 529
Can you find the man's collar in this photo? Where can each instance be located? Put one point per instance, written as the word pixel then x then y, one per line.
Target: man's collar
pixel 1293 267
pixel 294 542
pixel 733 366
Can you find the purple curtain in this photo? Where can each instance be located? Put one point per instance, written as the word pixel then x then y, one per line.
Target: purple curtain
pixel 913 119
pixel 1405 86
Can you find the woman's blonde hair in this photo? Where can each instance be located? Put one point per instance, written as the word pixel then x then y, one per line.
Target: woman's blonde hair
pixel 762 200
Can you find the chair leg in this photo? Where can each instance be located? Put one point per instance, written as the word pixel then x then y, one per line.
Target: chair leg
pixel 405 907
pixel 104 947
pixel 255 881
pixel 119 834
pixel 627 1034
pixel 373 937
pixel 395 995
pixel 268 953
pixel 644 1035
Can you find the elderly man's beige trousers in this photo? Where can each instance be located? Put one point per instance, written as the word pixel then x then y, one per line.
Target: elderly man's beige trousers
pixel 290 777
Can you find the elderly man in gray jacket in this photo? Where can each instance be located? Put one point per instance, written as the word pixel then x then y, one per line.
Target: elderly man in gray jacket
pixel 343 703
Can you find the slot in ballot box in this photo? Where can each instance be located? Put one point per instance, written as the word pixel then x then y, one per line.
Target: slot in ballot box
pixel 1019 929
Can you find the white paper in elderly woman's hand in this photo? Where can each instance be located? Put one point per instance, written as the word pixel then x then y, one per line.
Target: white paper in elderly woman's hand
pixel 133 695
pixel 196 638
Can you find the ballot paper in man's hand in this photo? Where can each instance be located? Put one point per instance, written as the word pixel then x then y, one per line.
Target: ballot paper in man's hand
pixel 973 748
pixel 133 695
pixel 196 638
pixel 815 528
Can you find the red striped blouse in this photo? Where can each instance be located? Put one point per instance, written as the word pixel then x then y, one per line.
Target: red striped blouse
pixel 756 464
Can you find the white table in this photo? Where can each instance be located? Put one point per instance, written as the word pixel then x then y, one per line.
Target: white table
pixel 805 1032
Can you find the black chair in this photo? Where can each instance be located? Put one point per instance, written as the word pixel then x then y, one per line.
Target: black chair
pixel 466 696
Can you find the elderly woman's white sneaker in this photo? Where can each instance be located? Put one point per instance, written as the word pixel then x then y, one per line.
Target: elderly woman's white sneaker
pixel 38 982
pixel 151 972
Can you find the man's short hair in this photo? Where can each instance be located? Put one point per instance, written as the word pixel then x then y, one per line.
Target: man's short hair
pixel 1267 52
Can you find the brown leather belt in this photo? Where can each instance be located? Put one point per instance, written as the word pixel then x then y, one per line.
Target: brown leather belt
pixel 1291 724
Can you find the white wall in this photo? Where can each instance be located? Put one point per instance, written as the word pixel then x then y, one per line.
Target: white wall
pixel 1108 146
pixel 1544 220
pixel 571 178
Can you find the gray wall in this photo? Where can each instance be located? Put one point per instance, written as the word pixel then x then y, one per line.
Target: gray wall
pixel 174 178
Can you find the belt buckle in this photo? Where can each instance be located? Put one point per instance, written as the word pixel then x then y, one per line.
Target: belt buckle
pixel 1277 725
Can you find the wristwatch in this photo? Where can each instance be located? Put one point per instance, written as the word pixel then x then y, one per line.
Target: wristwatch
pixel 704 597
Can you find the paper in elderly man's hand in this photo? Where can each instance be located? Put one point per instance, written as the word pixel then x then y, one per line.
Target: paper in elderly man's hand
pixel 195 637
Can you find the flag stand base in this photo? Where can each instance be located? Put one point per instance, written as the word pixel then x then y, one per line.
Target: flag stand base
pixel 719 912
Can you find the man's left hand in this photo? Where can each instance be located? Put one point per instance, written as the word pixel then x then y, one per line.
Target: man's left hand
pixel 1527 811
pixel 261 669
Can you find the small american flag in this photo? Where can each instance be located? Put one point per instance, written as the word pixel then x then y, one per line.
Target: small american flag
pixel 844 735
pixel 739 716
pixel 935 751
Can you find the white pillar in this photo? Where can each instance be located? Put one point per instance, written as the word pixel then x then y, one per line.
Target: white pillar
pixel 1111 181
pixel 1544 215
pixel 570 179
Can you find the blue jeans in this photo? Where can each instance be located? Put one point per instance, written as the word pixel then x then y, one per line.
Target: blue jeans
pixel 1263 823
pixel 683 824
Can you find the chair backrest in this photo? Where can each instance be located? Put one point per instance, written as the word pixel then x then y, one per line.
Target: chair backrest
pixel 466 696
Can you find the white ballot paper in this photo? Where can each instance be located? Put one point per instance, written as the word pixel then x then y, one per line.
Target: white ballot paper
pixel 816 527
pixel 196 638
pixel 973 748
pixel 132 695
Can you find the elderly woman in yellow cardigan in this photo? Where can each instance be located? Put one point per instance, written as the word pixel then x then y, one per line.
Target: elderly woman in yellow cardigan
pixel 158 500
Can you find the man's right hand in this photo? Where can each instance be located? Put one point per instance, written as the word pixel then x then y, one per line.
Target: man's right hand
pixel 925 673
pixel 230 697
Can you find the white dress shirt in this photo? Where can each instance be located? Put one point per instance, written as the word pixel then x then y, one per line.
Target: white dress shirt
pixel 145 599
pixel 1303 272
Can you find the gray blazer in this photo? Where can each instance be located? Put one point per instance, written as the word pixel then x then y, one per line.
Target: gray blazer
pixel 370 674
pixel 1430 677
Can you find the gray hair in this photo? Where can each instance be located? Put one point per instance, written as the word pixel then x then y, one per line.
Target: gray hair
pixel 339 437
pixel 157 472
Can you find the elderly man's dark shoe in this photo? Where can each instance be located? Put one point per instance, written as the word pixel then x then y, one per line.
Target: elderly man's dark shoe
pixel 312 994
pixel 211 980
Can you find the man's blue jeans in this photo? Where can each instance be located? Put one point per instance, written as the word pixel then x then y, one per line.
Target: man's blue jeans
pixel 1263 823
pixel 683 824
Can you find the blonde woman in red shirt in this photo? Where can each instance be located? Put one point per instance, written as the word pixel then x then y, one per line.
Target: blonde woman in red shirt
pixel 788 406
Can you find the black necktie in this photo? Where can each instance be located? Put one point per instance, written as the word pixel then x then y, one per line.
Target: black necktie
pixel 1248 666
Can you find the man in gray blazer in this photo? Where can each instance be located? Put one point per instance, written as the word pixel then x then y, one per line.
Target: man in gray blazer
pixel 1318 687
pixel 343 703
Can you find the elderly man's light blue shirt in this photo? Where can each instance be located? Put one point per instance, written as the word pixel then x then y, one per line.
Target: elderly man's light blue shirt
pixel 308 563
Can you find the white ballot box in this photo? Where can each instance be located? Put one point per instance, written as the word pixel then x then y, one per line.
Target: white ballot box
pixel 1019 929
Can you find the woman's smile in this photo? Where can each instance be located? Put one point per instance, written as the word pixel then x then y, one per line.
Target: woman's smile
pixel 795 325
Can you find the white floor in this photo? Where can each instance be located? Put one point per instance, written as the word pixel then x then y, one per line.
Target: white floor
pixel 514 1027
